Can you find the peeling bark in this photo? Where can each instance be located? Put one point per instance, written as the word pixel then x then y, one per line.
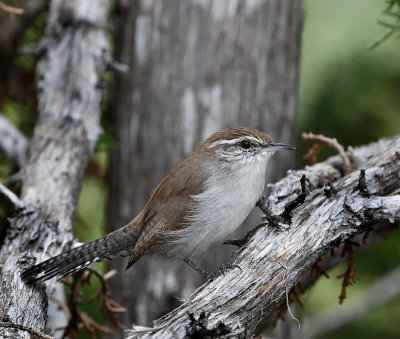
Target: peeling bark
pixel 68 79
pixel 277 255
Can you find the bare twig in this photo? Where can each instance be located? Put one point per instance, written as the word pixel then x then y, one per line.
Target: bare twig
pixel 318 270
pixel 10 9
pixel 78 319
pixel 114 65
pixel 18 203
pixel 136 329
pixel 349 277
pixel 35 50
pixel 312 153
pixel 33 332
pixel 13 142
pixel 62 306
pixel 328 141
pixel 14 28
pixel 109 306
pixel 362 186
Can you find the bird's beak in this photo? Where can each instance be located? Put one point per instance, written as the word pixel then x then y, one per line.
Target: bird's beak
pixel 276 146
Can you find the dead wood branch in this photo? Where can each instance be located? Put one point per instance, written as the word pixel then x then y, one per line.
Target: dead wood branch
pixel 12 197
pixel 69 78
pixel 328 141
pixel 14 28
pixel 10 9
pixel 34 333
pixel 77 319
pixel 13 142
pixel 274 259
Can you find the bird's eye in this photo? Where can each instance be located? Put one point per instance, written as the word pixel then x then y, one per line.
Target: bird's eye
pixel 245 144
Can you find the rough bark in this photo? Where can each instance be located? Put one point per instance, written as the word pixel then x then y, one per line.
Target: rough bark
pixel 275 257
pixel 68 81
pixel 195 67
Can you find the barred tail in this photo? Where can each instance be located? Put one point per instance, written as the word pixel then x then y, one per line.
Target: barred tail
pixel 117 243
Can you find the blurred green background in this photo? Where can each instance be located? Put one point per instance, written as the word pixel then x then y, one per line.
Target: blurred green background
pixel 353 94
pixel 346 91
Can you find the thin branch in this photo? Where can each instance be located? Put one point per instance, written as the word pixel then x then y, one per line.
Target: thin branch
pixel 10 9
pixel 13 142
pixel 114 65
pixel 14 29
pixel 349 277
pixel 312 153
pixel 33 332
pixel 36 50
pixel 331 142
pixel 78 319
pixel 18 203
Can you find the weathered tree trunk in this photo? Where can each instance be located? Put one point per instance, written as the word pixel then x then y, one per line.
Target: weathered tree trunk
pixel 195 67
pixel 304 222
pixel 68 76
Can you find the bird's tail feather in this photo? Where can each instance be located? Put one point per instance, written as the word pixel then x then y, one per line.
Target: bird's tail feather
pixel 117 243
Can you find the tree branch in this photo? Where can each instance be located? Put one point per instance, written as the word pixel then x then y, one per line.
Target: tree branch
pixel 298 232
pixel 13 142
pixel 16 26
pixel 10 9
pixel 18 203
pixel 69 78
pixel 33 332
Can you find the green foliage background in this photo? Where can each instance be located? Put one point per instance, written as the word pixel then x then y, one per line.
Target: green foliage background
pixel 351 93
pixel 346 91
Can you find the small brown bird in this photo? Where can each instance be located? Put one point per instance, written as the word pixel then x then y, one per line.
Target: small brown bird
pixel 198 204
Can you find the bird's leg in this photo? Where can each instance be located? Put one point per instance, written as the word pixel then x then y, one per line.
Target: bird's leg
pixel 240 242
pixel 260 204
pixel 236 242
pixel 202 271
pixel 207 275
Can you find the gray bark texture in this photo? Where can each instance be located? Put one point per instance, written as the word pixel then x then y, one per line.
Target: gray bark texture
pixel 301 227
pixel 68 81
pixel 195 67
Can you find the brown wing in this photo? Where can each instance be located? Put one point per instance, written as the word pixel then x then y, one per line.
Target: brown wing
pixel 167 208
pixel 173 196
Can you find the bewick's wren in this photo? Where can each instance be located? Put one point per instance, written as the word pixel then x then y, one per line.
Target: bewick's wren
pixel 199 203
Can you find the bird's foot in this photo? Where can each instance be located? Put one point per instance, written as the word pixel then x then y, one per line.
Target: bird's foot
pixel 222 270
pixel 240 242
pixel 261 205
pixel 236 242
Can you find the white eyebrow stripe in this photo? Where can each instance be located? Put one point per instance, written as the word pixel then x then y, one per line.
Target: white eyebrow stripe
pixel 234 141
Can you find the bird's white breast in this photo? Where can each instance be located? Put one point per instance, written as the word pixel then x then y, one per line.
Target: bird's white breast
pixel 227 199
